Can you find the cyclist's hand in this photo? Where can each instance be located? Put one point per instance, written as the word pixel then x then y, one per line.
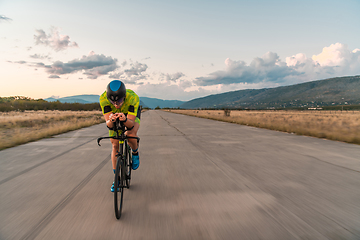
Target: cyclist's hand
pixel 113 117
pixel 122 117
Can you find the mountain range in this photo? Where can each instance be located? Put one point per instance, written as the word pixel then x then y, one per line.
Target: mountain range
pixel 333 91
pixel 154 102
pixel 75 99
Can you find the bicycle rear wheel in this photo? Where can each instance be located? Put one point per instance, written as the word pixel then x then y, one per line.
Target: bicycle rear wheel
pixel 128 160
pixel 119 187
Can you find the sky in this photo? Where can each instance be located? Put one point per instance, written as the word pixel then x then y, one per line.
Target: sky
pixel 173 50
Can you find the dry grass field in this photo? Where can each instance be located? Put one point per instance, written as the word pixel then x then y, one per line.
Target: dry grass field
pixel 21 127
pixel 334 125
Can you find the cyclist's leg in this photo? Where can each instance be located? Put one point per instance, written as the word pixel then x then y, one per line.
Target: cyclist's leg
pixel 133 133
pixel 115 149
pixel 134 144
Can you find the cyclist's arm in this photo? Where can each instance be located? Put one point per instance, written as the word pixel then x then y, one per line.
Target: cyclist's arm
pixel 130 122
pixel 132 112
pixel 110 117
pixel 107 113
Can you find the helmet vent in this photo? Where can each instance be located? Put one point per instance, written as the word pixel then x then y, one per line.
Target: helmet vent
pixel 115 85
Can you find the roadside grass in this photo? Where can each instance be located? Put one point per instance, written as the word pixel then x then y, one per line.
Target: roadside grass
pixel 21 127
pixel 333 125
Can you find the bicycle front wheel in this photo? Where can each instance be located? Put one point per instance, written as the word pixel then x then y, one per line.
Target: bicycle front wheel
pixel 118 187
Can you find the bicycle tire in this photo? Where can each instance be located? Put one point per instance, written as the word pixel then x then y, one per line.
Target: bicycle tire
pixel 118 188
pixel 128 165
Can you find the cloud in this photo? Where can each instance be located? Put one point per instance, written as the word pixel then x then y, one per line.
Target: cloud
pixel 334 55
pixel 20 62
pixel 54 40
pixel 267 68
pixel 172 77
pixel 155 84
pixel 116 75
pixel 54 76
pixel 135 73
pixel 93 66
pixel 136 69
pixel 3 18
pixel 124 63
pixel 40 56
pixel 335 60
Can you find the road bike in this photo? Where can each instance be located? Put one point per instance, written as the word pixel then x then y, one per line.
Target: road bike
pixel 123 165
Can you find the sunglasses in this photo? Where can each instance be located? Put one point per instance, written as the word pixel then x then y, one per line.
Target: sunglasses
pixel 118 102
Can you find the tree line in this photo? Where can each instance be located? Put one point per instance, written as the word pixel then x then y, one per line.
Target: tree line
pixel 21 103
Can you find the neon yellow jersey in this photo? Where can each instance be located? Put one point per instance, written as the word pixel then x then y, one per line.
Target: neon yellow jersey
pixel 130 105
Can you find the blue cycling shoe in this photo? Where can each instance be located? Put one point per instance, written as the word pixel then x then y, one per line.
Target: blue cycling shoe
pixel 135 161
pixel 113 188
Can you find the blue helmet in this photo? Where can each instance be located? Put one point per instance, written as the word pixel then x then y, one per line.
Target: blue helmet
pixel 116 91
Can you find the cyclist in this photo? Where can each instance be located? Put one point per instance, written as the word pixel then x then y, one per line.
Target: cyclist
pixel 124 104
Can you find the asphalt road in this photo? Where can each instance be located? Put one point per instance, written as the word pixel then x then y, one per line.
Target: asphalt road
pixel 198 179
